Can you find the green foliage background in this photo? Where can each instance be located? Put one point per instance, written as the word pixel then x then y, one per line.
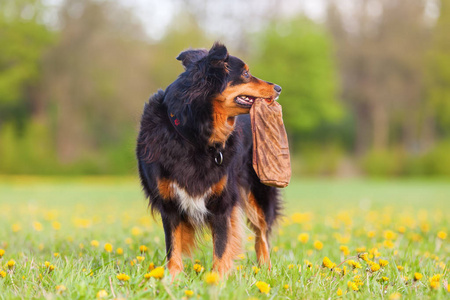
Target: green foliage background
pixel 354 103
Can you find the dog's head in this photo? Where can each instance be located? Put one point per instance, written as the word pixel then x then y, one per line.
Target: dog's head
pixel 228 79
pixel 213 90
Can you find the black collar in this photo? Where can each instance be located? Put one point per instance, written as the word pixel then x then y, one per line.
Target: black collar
pixel 187 135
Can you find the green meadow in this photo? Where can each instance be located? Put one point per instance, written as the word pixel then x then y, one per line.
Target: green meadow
pixel 93 237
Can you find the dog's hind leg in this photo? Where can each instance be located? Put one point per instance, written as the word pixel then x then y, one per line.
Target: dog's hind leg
pixel 259 225
pixel 227 233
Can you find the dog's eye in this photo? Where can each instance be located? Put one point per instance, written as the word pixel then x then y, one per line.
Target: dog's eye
pixel 246 74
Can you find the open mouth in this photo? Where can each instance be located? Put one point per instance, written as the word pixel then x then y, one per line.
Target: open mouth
pixel 247 101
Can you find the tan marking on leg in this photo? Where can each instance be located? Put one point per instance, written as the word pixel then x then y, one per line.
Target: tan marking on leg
pixel 233 246
pixel 258 223
pixel 165 188
pixel 218 188
pixel 187 239
pixel 175 264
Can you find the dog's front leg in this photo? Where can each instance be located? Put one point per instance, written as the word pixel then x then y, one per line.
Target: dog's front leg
pixel 227 231
pixel 173 231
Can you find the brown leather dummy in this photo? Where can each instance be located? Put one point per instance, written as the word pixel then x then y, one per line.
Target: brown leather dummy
pixel 271 159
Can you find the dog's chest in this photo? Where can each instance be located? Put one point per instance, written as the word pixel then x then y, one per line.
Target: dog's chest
pixel 193 206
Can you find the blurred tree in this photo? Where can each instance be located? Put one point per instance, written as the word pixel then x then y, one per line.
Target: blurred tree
pixel 381 57
pixel 96 79
pixel 297 55
pixel 438 75
pixel 23 40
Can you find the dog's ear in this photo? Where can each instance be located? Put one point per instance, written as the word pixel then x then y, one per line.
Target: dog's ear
pixel 218 55
pixel 191 56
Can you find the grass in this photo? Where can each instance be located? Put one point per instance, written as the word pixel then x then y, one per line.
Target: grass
pixel 68 222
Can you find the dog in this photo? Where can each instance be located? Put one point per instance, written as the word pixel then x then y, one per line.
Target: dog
pixel 194 153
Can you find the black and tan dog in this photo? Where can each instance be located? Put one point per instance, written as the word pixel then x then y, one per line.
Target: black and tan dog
pixel 194 153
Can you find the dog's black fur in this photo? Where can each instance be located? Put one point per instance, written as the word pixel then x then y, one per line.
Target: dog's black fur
pixel 182 152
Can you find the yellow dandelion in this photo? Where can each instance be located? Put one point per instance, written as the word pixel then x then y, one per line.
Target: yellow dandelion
pixel 2 252
pixel 135 231
pixel 49 266
pixel 286 286
pixel 102 294
pixel 364 256
pixel 344 249
pixel 436 277
pixel 374 253
pixel 435 284
pixel 354 264
pixel 442 235
pixel 275 249
pixel 255 270
pixel 417 276
pixel 151 266
pixel 198 268
pixel 108 247
pixel 388 244
pixel 212 278
pixel 123 277
pixel 318 245
pixel 140 258
pixel 16 227
pixel 360 249
pixel 352 285
pixel 143 248
pixel 303 237
pixel 56 254
pixel 383 262
pixel 389 235
pixel 263 287
pixel 2 273
pixel 157 273
pixel 395 296
pixel 56 225
pixel 400 268
pixel 374 267
pixel 119 251
pixel 301 217
pixel 189 293
pixel 95 243
pixel 371 234
pixel 385 279
pixel 60 289
pixel 308 263
pixel 37 226
pixel 11 264
pixel 339 292
pixel 327 263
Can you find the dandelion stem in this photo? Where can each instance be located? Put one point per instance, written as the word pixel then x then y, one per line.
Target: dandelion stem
pixel 112 289
pixel 168 291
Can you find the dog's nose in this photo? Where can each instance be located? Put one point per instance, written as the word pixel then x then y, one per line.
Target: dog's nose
pixel 277 88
